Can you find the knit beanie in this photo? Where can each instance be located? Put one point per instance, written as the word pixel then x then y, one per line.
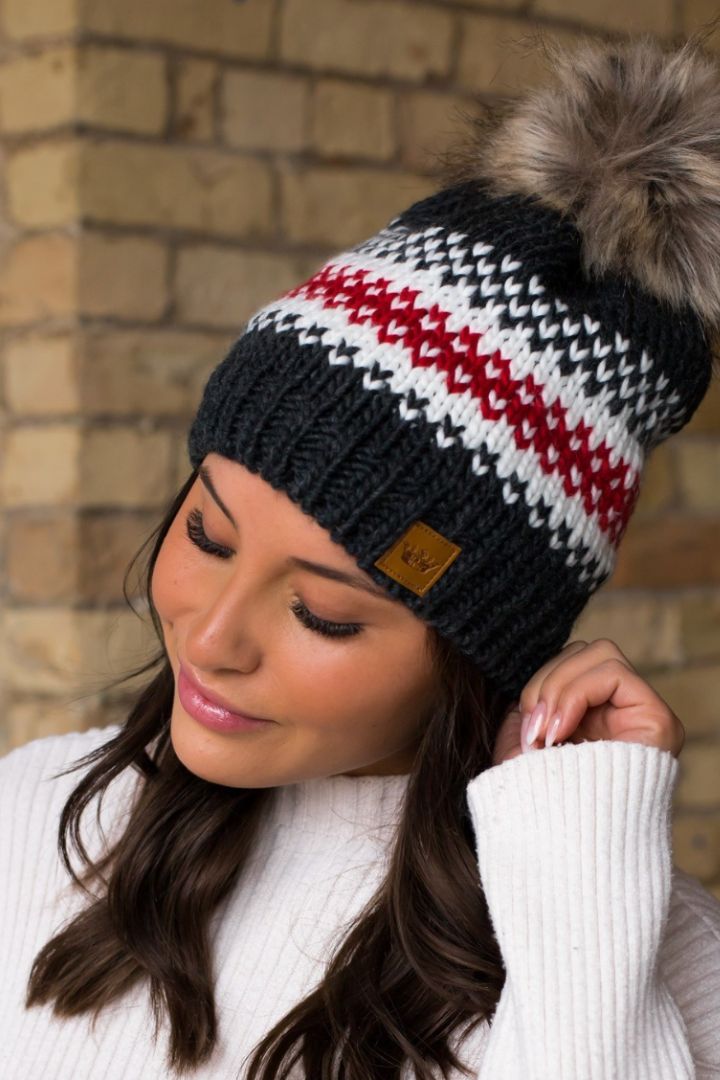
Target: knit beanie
pixel 466 400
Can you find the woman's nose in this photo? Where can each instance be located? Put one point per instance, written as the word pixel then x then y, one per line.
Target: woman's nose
pixel 229 632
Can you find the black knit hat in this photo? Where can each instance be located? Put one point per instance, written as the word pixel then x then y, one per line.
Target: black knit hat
pixel 466 400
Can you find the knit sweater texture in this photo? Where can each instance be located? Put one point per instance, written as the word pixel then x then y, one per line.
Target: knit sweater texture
pixel 612 952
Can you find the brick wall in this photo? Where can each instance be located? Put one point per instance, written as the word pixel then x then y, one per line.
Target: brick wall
pixel 169 167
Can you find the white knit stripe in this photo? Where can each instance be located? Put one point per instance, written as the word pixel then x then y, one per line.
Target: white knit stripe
pixel 521 359
pixel 567 391
pixel 452 253
pixel 299 315
pixel 499 291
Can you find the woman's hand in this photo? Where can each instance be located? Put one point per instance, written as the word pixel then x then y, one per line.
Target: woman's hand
pixel 597 694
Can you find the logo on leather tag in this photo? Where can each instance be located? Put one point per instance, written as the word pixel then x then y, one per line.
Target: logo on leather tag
pixel 419 558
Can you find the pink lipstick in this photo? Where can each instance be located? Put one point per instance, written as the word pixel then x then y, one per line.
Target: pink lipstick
pixel 211 714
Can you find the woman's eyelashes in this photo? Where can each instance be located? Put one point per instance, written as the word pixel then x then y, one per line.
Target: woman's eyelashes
pixel 197 535
pixel 322 626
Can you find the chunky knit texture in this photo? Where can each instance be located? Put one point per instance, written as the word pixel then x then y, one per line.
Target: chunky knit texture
pixel 458 370
pixel 612 953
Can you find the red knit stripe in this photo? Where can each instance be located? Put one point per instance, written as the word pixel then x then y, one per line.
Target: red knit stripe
pixel 420 330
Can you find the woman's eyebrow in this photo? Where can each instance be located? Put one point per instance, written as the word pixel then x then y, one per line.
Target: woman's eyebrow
pixel 339 575
pixel 207 481
pixel 348 578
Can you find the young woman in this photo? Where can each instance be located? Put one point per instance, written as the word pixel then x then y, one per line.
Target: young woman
pixel 373 815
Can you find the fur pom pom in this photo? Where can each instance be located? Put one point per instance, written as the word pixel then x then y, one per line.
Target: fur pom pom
pixel 627 143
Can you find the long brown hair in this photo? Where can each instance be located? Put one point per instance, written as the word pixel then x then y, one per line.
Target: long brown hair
pixel 420 960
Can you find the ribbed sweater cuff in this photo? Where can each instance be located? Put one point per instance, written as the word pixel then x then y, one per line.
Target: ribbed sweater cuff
pixel 575 857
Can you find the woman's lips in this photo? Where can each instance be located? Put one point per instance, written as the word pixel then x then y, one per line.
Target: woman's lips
pixel 210 712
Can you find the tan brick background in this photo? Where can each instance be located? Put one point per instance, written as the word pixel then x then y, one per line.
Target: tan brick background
pixel 168 167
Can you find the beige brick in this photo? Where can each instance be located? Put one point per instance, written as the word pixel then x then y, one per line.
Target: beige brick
pixel 697 14
pixel 428 122
pixel 122 466
pixel 699 780
pixel 696 844
pixel 352 120
pixel 668 552
pixel 504 5
pixel 38 279
pixel 39 18
pixel 693 694
pixel 338 206
pixel 153 372
pixel 656 16
pixel 122 89
pixel 177 187
pixel 376 37
pixel 234 29
pixel 119 89
pixel 125 277
pixel 38 91
pixel 698 466
pixel 107 544
pixel 196 83
pixel 56 464
pixel 221 287
pixel 42 184
pixel 40 464
pixel 40 375
pixel 499 56
pixel 69 652
pixel 181 463
pixel 42 557
pixel 263 111
pixel 646 629
pixel 706 419
pixel 657 491
pixel 700 625
pixel 39 717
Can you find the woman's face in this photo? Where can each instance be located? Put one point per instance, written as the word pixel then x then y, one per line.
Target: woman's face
pixel 354 704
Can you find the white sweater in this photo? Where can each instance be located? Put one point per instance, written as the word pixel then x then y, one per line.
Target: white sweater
pixel 612 952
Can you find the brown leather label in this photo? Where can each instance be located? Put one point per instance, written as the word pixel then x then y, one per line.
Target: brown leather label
pixel 419 558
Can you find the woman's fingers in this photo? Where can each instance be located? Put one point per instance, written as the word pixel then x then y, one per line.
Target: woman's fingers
pixel 539 700
pixel 589 691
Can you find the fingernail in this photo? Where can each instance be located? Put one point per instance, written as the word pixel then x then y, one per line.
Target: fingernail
pixel 536 718
pixel 523 731
pixel 552 732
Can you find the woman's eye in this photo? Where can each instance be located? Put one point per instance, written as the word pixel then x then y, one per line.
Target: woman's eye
pixel 322 626
pixel 197 535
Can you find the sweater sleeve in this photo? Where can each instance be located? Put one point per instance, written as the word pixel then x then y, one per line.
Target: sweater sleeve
pixel 574 853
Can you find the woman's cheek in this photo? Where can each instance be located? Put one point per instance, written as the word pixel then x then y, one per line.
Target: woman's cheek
pixel 176 578
pixel 338 660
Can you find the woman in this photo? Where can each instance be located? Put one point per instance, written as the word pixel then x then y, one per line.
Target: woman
pixel 442 845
